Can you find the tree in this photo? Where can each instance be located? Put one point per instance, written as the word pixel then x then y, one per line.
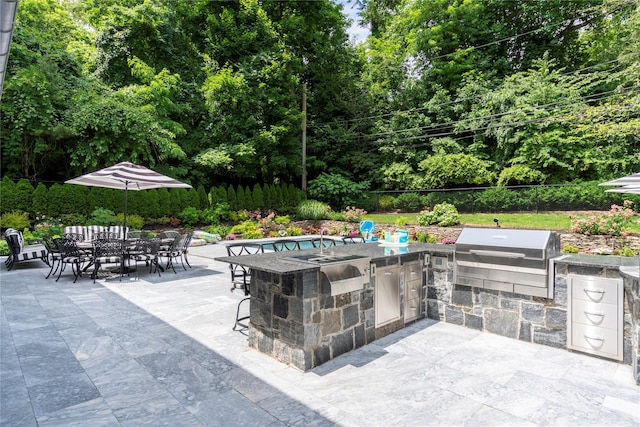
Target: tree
pixel 164 203
pixel 23 195
pixel 8 195
pixel 258 197
pixel 39 199
pixel 453 170
pixel 232 199
pixel 203 198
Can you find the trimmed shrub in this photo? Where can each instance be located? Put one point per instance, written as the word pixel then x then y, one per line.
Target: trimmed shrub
pixel 203 198
pixel 7 195
pixel 258 197
pixel 386 202
pixel 23 195
pixel 408 202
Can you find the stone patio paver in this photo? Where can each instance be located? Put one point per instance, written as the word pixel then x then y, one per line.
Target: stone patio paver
pixel 161 351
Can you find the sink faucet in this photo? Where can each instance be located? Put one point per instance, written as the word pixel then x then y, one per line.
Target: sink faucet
pixel 321 240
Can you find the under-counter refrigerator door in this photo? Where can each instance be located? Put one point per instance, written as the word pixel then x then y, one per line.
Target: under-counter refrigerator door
pixel 387 295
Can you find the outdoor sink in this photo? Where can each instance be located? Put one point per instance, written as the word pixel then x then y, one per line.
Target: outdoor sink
pixel 326 258
pixel 346 273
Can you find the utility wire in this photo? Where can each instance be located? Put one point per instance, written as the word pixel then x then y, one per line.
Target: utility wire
pixel 452 102
pixel 474 48
pixel 588 98
pixel 472 132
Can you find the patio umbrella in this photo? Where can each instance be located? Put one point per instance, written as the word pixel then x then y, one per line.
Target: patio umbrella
pixel 630 189
pixel 633 180
pixel 127 176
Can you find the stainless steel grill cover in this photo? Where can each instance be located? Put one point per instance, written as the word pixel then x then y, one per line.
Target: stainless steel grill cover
pixel 506 260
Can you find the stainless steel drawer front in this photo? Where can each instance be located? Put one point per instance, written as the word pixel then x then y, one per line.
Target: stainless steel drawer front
pixel 595 315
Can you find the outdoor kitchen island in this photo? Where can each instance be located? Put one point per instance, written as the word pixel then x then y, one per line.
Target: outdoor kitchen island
pixel 592 304
pixel 305 313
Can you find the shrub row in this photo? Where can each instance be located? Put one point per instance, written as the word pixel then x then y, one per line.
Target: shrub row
pixel 586 196
pixel 67 199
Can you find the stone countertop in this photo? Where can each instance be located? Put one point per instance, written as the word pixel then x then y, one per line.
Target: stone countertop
pixel 598 260
pixel 276 262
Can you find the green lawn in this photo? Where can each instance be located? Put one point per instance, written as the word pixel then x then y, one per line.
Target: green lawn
pixel 546 221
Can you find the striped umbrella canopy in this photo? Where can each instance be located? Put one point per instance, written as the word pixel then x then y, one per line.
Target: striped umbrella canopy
pixel 633 180
pixel 631 189
pixel 127 176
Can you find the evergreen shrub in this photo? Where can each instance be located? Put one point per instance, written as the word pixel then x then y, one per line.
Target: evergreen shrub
pixel 408 202
pixel 386 202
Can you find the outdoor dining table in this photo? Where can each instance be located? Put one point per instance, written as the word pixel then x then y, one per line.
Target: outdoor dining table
pixel 128 246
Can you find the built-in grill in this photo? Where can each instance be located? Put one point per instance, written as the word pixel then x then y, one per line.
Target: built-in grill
pixel 511 260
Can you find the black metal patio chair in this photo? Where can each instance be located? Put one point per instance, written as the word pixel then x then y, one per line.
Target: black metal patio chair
pixel 240 276
pixel 282 245
pixel 348 240
pixel 146 250
pixel 71 254
pixel 177 250
pixel 108 251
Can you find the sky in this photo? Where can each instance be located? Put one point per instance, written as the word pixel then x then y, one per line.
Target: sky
pixel 356 32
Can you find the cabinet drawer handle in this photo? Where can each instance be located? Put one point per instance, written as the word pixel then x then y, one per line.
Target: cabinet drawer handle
pixel 594 338
pixel 588 313
pixel 388 273
pixel 593 291
pixel 414 273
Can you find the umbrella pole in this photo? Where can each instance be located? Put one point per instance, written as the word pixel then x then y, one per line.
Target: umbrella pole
pixel 124 222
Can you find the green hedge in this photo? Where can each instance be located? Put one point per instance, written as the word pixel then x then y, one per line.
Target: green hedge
pixel 60 200
pixel 585 196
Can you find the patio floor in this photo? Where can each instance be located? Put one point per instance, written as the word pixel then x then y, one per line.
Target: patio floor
pixel 161 351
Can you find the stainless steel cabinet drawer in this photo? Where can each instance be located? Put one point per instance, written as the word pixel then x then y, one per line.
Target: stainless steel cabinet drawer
pixel 413 271
pixel 595 314
pixel 412 309
pixel 594 339
pixel 594 289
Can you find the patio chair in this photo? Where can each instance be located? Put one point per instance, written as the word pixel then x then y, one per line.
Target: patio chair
pixel 19 252
pixel 106 235
pixel 325 242
pixel 54 256
pixel 186 243
pixel 108 251
pixel 76 237
pixel 146 250
pixel 71 254
pixel 177 250
pixel 348 240
pixel 282 245
pixel 367 228
pixel 243 273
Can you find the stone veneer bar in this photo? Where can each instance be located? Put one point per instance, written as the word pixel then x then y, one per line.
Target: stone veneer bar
pixel 295 319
